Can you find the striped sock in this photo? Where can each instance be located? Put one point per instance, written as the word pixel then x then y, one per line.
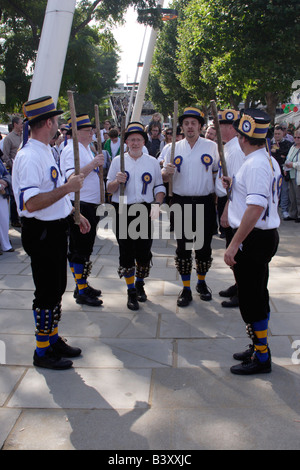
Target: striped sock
pixel 201 277
pixel 42 343
pixel 129 278
pixel 260 329
pixel 80 281
pixel 186 281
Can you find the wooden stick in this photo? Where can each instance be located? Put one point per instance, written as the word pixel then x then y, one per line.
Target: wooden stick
pixel 99 149
pixel 173 144
pixel 76 154
pixel 122 162
pixel 219 138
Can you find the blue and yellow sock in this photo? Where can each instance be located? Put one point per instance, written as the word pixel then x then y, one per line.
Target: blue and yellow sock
pixel 260 329
pixel 42 343
pixel 80 281
pixel 201 277
pixel 129 278
pixel 186 281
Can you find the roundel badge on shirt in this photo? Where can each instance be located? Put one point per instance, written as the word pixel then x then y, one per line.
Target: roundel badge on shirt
pixel 206 160
pixel 146 178
pixel 54 175
pixel 178 162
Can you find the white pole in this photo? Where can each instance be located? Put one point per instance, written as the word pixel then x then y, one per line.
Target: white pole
pixel 52 50
pixel 135 79
pixel 140 96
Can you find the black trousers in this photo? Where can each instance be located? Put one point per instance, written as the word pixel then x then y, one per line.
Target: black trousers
pixel 251 273
pixel 81 245
pixel 208 225
pixel 133 250
pixel 46 244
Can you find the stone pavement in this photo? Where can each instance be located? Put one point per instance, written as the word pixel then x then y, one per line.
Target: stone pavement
pixel 155 379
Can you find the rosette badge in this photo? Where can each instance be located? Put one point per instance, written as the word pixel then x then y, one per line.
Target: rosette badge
pixel 178 162
pixel 54 175
pixel 206 160
pixel 146 179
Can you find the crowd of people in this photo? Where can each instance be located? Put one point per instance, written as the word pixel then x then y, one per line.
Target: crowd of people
pixel 38 178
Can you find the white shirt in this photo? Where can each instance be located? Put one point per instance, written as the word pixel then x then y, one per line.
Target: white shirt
pixel 35 171
pixel 90 191
pixel 256 183
pixel 135 187
pixel 194 175
pixel 234 158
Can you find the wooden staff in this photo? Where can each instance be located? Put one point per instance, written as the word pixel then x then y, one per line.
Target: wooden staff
pixel 122 161
pixel 76 154
pixel 219 138
pixel 99 149
pixel 173 144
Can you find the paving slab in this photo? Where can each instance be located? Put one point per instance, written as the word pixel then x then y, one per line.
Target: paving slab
pixel 155 379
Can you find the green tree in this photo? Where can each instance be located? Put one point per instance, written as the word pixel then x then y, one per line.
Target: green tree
pixel 231 51
pixel 164 86
pixel 92 72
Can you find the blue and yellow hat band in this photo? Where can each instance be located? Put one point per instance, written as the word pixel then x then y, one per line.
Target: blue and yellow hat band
pixel 39 109
pixel 82 120
pixel 251 128
pixel 228 116
pixel 192 112
pixel 135 127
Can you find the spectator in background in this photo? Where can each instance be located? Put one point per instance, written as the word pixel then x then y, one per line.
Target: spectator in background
pixel 279 149
pixel 5 187
pixel 293 166
pixel 211 133
pixel 112 144
pixel 156 140
pixel 286 135
pixel 11 145
pixel 105 130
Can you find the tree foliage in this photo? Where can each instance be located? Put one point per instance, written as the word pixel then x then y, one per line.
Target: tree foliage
pixel 233 51
pixel 91 62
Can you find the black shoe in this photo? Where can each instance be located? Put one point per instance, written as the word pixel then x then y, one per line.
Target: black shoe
pixel 204 291
pixel 85 299
pixel 132 301
pixel 51 361
pixel 184 298
pixel 230 292
pixel 140 291
pixel 252 366
pixel 89 290
pixel 297 221
pixel 61 348
pixel 233 302
pixel 244 355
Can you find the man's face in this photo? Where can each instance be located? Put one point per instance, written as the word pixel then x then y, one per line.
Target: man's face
pixel 278 135
pixel 154 132
pixel 85 136
pixel 135 142
pixel 19 126
pixel 211 134
pixel 191 128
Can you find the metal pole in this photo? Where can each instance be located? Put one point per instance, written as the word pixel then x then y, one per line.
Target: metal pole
pixel 52 50
pixel 139 100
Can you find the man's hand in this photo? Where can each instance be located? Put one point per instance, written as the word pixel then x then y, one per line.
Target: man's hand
pixel 99 160
pixel 75 183
pixel 84 226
